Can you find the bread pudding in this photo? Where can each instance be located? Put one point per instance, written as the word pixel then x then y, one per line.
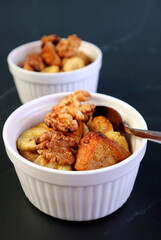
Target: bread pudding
pixel 57 55
pixel 71 138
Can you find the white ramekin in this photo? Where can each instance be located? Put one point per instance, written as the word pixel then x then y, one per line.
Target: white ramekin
pixel 73 195
pixel 31 85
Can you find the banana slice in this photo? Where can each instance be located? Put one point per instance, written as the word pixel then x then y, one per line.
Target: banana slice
pixel 42 162
pixel 84 57
pixel 51 69
pixel 31 156
pixel 26 141
pixel 85 129
pixel 73 63
pixel 118 138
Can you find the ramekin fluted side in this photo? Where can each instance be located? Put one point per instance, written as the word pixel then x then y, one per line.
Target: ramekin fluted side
pixel 28 91
pixel 78 203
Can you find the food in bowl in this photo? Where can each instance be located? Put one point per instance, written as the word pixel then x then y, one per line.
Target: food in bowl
pixel 57 55
pixel 34 84
pixel 74 195
pixel 71 138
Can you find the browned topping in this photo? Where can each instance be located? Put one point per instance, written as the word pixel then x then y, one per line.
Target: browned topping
pixel 51 38
pixel 98 151
pixel 56 147
pixel 65 116
pixel 76 98
pixel 34 63
pixel 67 47
pixel 59 52
pixel 60 119
pixel 49 54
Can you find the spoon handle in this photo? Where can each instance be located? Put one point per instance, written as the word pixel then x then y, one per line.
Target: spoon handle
pixel 154 136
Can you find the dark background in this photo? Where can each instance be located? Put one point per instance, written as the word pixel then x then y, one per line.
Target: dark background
pixel 129 34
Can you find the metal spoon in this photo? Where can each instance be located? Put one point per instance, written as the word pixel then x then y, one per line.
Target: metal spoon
pixel 120 125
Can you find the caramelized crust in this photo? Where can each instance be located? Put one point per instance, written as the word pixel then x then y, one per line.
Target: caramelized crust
pixel 67 47
pixel 49 54
pixel 27 66
pixel 98 151
pixel 34 63
pixel 50 38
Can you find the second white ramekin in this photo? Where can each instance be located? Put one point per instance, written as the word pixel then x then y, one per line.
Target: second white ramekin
pixel 31 85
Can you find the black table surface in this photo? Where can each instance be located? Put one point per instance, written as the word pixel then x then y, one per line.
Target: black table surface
pixel 128 32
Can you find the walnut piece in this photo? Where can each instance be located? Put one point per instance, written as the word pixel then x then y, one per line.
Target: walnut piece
pixel 50 38
pixel 65 116
pixel 56 147
pixel 68 47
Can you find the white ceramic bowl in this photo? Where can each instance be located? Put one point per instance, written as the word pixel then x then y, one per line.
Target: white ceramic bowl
pixel 74 195
pixel 31 85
